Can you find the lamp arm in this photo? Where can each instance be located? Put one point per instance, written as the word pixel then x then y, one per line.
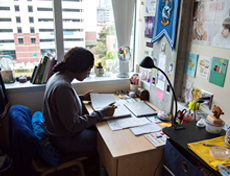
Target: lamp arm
pixel 173 121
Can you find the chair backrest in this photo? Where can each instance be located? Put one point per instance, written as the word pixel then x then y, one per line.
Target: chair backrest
pixel 23 142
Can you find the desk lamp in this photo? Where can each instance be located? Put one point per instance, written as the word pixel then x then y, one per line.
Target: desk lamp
pixel 147 62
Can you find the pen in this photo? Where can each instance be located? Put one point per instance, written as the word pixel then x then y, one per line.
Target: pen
pixel 211 145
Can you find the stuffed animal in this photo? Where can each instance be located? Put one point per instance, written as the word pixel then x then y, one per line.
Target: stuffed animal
pixel 199 32
pixel 216 111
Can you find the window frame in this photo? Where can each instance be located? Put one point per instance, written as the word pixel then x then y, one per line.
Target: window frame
pixel 59 31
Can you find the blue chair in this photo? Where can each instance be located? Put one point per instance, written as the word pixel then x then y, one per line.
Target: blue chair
pixel 25 146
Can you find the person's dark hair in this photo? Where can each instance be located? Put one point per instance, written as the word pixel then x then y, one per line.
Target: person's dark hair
pixel 76 60
pixel 226 23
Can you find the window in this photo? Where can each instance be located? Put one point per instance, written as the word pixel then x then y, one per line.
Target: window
pixel 44 9
pixel 19 30
pixel 46 30
pixel 16 8
pixel 5 19
pixel 30 9
pixel 33 40
pixel 72 10
pixel 4 8
pixel 45 20
pixel 32 30
pixel 6 30
pixel 20 40
pixel 35 36
pixel 18 19
pixel 6 41
pixel 31 19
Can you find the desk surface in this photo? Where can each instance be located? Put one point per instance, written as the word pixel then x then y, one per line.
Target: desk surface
pixel 116 140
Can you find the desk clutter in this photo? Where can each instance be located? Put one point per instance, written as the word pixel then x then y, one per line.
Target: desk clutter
pixel 213 155
pixel 125 118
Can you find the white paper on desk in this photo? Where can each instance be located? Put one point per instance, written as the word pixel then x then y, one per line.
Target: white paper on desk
pixel 122 123
pixel 153 119
pixel 148 128
pixel 100 100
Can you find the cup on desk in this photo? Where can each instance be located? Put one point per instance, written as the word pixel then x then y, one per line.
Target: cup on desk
pixel 133 87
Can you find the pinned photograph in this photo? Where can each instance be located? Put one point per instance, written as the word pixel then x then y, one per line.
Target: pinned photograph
pixel 155 61
pixel 163 48
pixel 170 69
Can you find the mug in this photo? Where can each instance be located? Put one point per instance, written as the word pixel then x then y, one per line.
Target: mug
pixel 133 88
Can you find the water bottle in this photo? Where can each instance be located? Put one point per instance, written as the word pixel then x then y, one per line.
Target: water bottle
pixel 227 136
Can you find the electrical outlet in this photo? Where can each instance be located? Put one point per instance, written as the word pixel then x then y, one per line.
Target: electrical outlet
pixel 207 102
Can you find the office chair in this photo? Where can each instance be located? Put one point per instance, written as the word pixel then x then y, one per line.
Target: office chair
pixel 24 146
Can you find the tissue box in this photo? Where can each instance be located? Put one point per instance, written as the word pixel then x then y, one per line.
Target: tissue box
pixel 7 76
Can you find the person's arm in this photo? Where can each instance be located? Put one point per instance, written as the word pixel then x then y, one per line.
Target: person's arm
pixel 69 111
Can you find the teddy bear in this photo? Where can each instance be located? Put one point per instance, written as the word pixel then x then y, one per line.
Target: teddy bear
pixel 199 32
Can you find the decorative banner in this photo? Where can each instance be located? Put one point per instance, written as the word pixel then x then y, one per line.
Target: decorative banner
pixel 190 64
pixel 166 21
pixel 218 71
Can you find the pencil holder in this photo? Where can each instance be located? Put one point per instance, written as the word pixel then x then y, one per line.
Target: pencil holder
pixel 133 88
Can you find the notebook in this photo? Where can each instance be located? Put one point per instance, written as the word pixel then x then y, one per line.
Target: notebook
pixel 100 100
pixel 140 109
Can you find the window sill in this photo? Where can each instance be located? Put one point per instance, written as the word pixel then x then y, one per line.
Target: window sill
pixel 92 80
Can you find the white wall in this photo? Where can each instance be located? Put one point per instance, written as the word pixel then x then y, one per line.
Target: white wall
pixel 221 94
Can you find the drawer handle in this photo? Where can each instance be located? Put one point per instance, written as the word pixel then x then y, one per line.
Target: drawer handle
pixel 185 167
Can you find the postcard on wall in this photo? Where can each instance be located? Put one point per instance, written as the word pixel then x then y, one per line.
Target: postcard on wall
pixel 160 84
pixel 218 71
pixel 150 6
pixel 159 94
pixel 190 64
pixel 186 90
pixel 161 65
pixel 204 65
pixel 149 26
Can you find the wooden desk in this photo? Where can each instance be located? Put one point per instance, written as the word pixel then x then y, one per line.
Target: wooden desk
pixel 122 153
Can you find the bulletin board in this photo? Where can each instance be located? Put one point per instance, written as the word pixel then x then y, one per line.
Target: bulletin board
pixel 170 61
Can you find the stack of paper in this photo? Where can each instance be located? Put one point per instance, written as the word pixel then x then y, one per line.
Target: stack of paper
pixel 148 128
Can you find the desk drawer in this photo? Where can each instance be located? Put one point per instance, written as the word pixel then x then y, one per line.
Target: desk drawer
pixel 177 163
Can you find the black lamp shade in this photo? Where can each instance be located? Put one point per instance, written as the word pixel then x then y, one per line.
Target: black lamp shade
pixel 147 62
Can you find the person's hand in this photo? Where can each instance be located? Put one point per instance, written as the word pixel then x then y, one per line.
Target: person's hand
pixel 110 109
pixel 86 95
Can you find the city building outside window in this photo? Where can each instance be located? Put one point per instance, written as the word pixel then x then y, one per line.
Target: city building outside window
pixel 80 28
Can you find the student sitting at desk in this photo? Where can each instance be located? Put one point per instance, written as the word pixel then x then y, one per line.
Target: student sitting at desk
pixel 63 110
